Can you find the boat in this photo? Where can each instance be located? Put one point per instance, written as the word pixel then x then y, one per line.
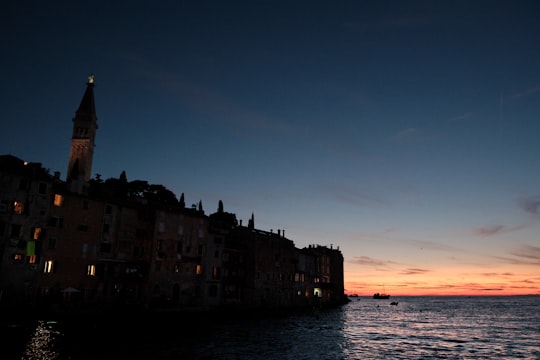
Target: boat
pixel 381 296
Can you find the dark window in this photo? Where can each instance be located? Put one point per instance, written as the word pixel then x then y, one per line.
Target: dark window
pixel 140 233
pixel 56 222
pixel 105 247
pixel 106 228
pixel 15 230
pixel 108 209
pixel 42 188
pixel 23 184
pixel 51 244
pixel 82 227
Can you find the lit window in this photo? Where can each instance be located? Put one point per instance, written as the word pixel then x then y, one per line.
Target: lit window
pixel 17 257
pixel 32 259
pixel 198 270
pixel 18 207
pixel 37 233
pixel 91 270
pixel 215 273
pixel 48 266
pixel 58 200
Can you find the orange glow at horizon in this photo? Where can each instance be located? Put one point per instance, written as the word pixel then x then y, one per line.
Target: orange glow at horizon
pixel 444 283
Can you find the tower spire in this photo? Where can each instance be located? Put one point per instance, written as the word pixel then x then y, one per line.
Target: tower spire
pixel 82 140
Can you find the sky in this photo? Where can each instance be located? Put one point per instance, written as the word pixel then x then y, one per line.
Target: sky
pixel 404 133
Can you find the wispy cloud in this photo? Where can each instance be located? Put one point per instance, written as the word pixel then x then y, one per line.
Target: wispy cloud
pixel 414 271
pixel 462 117
pixel 496 229
pixel 530 204
pixel 368 261
pixel 526 92
pixel 407 135
pixel 528 252
pixel 522 255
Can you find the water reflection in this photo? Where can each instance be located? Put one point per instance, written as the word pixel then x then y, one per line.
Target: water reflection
pixel 418 328
pixel 42 343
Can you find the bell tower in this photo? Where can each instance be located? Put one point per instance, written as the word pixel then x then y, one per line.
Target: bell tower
pixel 82 141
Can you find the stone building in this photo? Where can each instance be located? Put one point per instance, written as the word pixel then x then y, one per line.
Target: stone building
pixel 85 242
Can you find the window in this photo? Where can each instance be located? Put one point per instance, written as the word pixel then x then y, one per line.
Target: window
pixel 17 257
pixel 91 270
pixel 106 228
pixel 84 250
pixel 51 244
pixel 4 205
pixel 15 230
pixel 23 184
pixel 82 227
pixel 215 273
pixel 42 188
pixel 37 233
pixel 158 266
pixel 56 222
pixel 108 209
pixel 180 229
pixel 85 204
pixel 58 200
pixel 32 259
pixel 49 267
pixel 105 247
pixel 161 227
pixel 198 269
pixel 18 207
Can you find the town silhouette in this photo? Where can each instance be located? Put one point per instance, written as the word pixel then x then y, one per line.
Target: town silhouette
pixel 82 244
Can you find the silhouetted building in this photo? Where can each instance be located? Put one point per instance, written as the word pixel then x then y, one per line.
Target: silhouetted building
pixel 116 242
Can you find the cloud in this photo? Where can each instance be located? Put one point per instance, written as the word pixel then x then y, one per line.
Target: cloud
pixel 496 229
pixel 523 255
pixel 367 261
pixel 528 252
pixel 406 135
pixel 527 92
pixel 414 271
pixel 488 231
pixel 461 117
pixel 530 204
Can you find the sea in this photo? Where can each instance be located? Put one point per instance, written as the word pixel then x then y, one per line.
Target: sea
pixel 448 327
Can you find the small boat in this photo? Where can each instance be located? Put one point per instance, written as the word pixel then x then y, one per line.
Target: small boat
pixel 381 296
pixel 394 303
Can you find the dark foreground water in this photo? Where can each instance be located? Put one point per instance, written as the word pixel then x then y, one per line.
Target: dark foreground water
pixel 416 328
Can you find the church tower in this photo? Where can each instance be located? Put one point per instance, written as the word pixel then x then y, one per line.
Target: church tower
pixel 82 141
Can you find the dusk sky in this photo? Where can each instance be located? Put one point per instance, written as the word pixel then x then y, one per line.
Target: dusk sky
pixel 406 133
